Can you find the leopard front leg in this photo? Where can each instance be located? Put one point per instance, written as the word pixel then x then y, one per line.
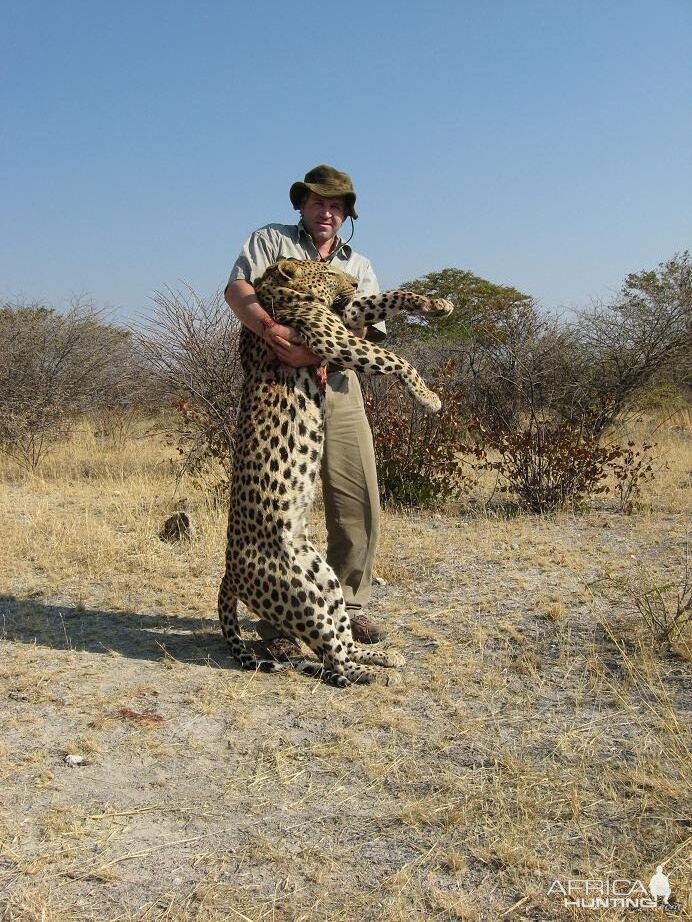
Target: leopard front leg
pixel 331 340
pixel 371 309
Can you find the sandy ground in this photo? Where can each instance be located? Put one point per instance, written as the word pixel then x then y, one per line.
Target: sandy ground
pixel 538 734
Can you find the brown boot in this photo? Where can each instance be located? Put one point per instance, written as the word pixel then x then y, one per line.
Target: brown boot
pixel 279 646
pixel 366 631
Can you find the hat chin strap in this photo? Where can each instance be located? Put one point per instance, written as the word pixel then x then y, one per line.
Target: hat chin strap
pixel 353 230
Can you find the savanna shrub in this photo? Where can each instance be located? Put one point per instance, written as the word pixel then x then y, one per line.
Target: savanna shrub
pixel 544 466
pixel 190 344
pixel 550 466
pixel 632 467
pixel 547 394
pixel 416 453
pixel 56 368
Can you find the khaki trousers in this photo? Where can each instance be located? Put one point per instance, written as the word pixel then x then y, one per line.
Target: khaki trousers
pixel 349 483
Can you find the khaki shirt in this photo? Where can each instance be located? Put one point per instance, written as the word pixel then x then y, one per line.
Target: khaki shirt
pixel 282 241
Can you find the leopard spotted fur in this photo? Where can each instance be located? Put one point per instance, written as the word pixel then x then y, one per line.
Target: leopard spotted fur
pixel 271 566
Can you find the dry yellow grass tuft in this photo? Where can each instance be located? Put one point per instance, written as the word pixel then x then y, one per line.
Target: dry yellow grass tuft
pixel 540 733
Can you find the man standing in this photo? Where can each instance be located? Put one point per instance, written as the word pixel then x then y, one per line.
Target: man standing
pixel 324 198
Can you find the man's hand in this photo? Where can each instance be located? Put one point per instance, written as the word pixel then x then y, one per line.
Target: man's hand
pixel 287 347
pixel 283 341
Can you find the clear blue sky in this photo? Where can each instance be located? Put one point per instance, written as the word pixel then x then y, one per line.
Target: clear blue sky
pixel 544 144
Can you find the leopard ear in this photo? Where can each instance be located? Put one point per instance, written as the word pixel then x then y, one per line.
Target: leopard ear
pixel 287 267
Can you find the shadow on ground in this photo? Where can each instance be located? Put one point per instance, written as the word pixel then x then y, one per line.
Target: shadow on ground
pixel 137 635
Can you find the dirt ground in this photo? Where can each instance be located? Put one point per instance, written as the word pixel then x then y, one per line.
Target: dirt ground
pixel 539 734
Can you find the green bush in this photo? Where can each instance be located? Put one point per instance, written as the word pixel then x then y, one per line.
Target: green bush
pixel 416 453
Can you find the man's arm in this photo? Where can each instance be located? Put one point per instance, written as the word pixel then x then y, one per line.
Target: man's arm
pixel 242 299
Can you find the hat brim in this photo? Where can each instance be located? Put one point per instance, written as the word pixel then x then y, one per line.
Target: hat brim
pixel 299 189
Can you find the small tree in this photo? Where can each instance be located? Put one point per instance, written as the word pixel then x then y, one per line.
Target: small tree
pixel 54 367
pixel 642 338
pixel 480 307
pixel 544 394
pixel 191 345
pixel 472 360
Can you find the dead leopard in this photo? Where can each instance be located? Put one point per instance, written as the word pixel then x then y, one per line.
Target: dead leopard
pixel 271 566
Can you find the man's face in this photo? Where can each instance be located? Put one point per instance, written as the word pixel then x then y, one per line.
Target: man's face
pixel 323 216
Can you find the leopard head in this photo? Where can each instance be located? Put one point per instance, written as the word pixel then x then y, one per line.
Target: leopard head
pixel 306 276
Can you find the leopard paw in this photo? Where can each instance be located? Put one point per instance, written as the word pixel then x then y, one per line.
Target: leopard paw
pixel 430 402
pixel 440 308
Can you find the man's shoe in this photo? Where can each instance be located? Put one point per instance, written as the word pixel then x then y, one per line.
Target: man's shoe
pixel 283 649
pixel 365 631
pixel 279 646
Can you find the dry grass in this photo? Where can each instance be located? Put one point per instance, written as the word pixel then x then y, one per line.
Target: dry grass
pixel 539 733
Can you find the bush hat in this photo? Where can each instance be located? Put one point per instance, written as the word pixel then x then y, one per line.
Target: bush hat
pixel 329 183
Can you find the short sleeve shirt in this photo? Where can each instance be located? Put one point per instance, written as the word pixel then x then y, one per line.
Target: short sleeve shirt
pixel 282 241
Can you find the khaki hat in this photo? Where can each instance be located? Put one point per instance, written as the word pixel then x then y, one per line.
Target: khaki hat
pixel 329 183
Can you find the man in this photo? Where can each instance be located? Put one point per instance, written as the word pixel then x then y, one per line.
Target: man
pixel 324 198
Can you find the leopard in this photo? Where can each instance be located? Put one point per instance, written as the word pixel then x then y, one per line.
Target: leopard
pixel 271 565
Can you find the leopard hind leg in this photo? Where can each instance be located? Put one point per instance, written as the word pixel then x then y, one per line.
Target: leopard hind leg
pixel 389 659
pixel 228 617
pixel 318 571
pixel 298 609
pixel 328 629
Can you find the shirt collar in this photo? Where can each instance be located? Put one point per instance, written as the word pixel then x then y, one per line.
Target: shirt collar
pixel 342 250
